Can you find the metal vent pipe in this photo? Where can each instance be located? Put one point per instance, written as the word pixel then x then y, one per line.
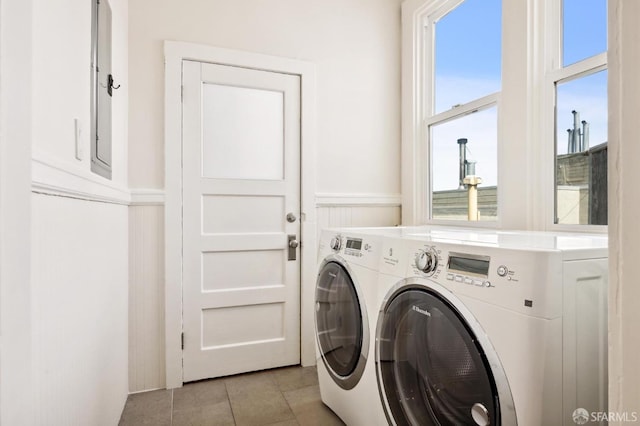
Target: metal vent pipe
pixel 462 143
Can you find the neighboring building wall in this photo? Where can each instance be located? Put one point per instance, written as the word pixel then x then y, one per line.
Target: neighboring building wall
pixel 453 204
pixel 581 182
pixel 355 45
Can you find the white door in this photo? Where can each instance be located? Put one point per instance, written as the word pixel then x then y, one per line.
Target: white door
pixel 241 205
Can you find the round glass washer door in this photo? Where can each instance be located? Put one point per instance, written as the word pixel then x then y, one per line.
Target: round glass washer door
pixel 342 328
pixel 433 362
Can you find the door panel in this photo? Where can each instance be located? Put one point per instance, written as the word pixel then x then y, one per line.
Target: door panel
pixel 240 213
pixel 227 270
pixel 243 132
pixel 241 174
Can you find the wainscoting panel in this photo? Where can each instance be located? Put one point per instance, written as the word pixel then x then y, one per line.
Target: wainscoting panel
pixel 368 215
pixel 79 311
pixel 146 298
pixel 337 210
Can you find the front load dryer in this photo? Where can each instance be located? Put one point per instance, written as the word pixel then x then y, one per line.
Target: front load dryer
pixel 485 328
pixel 345 311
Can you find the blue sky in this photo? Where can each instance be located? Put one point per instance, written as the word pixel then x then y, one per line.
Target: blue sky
pixel 585 29
pixel 468 62
pixel 468 49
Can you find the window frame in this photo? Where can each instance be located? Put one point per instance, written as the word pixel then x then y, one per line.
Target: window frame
pixel 460 111
pixel 552 73
pixel 417 145
pixel 531 65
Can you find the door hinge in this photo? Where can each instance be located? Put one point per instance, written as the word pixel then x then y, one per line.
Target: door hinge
pixel 182 340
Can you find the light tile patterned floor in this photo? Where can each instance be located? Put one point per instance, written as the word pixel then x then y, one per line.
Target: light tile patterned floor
pixel 286 396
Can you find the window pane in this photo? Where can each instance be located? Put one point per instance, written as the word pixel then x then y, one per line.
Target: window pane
pixel 581 148
pixel 243 133
pixel 467 53
pixel 449 199
pixel 584 24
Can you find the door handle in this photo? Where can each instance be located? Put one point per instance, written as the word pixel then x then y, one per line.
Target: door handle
pixel 292 244
pixel 291 217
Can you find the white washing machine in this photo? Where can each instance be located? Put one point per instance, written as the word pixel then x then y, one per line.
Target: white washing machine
pixel 345 317
pixel 491 328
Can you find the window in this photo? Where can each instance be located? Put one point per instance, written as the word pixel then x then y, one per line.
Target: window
pixel 513 95
pixel 461 111
pixel 102 86
pixel 580 86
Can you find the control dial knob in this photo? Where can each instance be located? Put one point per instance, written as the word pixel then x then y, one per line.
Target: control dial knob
pixel 427 261
pixel 336 243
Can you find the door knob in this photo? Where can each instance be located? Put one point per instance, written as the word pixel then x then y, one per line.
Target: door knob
pixel 291 217
pixel 293 245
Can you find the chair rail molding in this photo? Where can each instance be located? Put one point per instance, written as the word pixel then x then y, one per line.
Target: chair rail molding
pixel 52 176
pixel 147 197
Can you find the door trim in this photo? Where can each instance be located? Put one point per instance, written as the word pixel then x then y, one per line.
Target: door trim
pixel 174 54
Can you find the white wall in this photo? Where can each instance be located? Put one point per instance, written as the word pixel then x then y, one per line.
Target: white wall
pixel 79 287
pixel 355 45
pixel 79 245
pixel 624 204
pixel 61 90
pixel 16 372
pixel 63 245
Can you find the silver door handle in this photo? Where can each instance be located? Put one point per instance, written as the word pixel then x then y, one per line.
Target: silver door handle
pixel 291 217
pixel 293 244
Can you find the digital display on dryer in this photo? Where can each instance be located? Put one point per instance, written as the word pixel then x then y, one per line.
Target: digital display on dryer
pixel 469 264
pixel 354 244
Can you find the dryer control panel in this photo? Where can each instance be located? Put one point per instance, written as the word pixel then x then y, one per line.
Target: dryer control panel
pixel 361 249
pixel 353 247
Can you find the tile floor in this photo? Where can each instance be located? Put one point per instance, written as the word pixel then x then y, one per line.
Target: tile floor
pixel 285 396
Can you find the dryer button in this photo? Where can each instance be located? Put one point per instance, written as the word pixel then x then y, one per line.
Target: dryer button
pixel 468 281
pixel 459 278
pixel 478 283
pixel 450 277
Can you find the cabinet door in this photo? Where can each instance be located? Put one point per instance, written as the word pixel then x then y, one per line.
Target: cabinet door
pixel 585 337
